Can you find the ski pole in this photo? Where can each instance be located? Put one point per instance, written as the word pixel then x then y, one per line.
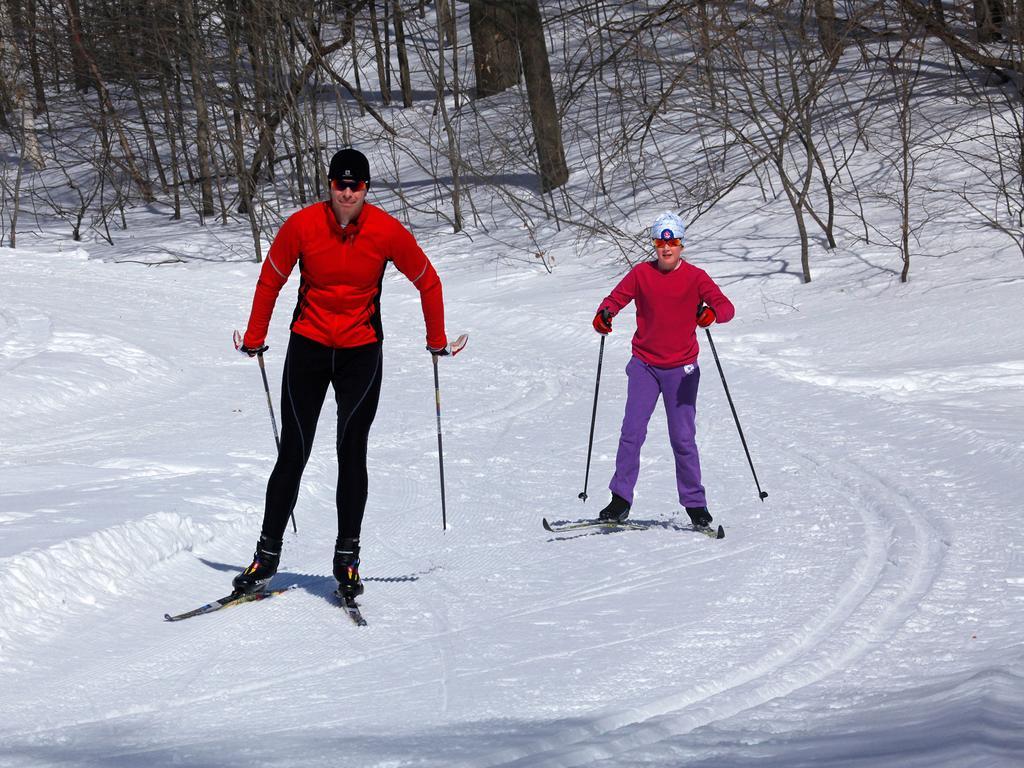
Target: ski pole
pixel 452 350
pixel 273 421
pixel 593 420
pixel 270 406
pixel 270 402
pixel 440 449
pixel 760 494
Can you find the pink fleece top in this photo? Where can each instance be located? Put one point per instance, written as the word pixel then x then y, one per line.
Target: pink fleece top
pixel 666 310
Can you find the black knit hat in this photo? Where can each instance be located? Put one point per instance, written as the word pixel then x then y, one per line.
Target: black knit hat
pixel 349 164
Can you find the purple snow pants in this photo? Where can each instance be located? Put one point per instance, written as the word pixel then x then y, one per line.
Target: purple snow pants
pixel 679 387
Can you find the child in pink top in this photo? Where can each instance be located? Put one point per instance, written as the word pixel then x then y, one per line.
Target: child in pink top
pixel 672 299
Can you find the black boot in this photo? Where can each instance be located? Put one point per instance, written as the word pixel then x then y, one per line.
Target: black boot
pixel 616 511
pixel 265 560
pixel 699 516
pixel 346 567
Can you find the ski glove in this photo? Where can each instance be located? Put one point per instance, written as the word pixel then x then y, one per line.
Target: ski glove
pixel 452 348
pixel 705 316
pixel 253 351
pixel 603 321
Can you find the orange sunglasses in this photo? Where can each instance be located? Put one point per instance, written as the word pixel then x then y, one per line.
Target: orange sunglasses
pixel 352 186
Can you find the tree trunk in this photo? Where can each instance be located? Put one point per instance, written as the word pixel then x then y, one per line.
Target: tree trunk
pixel 350 27
pixel 403 54
pixel 16 92
pixel 540 92
pixel 246 190
pixel 446 18
pixel 492 28
pixel 988 19
pixel 79 63
pixel 193 50
pixel 383 59
pixel 33 52
pixel 319 182
pixel 147 128
pixel 17 199
pixel 453 148
pixel 825 10
pixel 6 105
pixel 453 41
pixel 169 130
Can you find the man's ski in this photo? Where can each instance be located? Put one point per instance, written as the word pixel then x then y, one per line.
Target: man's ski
pixel 235 598
pixel 351 607
pixel 575 525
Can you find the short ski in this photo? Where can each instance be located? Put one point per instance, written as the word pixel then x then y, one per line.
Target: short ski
pixel 351 607
pixel 235 598
pixel 707 530
pixel 575 525
pixel 578 524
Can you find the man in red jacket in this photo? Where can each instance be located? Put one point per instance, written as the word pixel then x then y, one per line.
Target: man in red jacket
pixel 672 298
pixel 342 247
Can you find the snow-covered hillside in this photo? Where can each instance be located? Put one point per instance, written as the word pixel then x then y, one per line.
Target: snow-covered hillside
pixel 867 613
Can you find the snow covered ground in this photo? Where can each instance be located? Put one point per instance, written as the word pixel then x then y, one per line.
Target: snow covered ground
pixel 868 613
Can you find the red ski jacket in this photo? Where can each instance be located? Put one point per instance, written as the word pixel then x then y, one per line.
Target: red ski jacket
pixel 666 310
pixel 341 275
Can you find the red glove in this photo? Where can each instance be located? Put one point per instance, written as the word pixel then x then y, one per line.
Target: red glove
pixel 705 316
pixel 603 321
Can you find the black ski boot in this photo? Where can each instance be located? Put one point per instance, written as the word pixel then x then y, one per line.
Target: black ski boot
pixel 616 511
pixel 265 560
pixel 699 516
pixel 346 567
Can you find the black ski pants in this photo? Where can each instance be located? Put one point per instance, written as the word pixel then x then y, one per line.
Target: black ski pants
pixel 355 374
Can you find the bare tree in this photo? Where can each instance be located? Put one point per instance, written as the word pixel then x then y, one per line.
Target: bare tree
pixel 1007 67
pixel 492 28
pixel 16 93
pixel 380 49
pixel 107 109
pixel 547 129
pixel 831 43
pixel 904 62
pixel 772 108
pixel 449 129
pixel 446 18
pixel 996 158
pixel 80 62
pixel 194 54
pixel 405 77
pixel 988 19
pixel 670 103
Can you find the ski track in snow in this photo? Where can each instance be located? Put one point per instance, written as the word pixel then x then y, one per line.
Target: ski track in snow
pixel 868 609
